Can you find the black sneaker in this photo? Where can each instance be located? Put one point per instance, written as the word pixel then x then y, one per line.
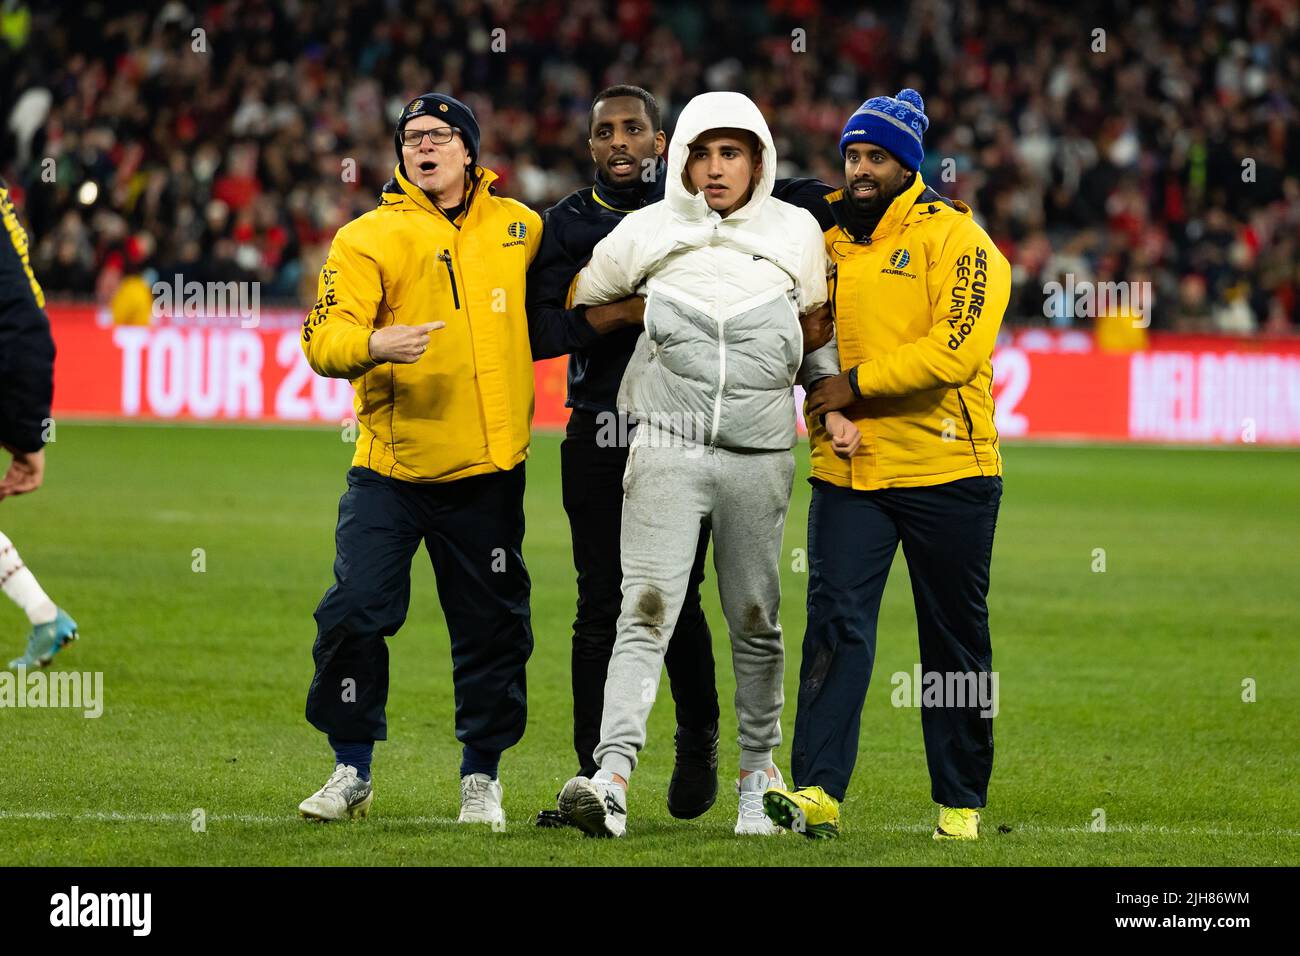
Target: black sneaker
pixel 553 819
pixel 558 819
pixel 694 785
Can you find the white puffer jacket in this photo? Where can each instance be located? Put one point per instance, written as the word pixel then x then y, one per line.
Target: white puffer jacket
pixel 722 346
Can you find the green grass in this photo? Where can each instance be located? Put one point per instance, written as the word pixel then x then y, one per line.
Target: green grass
pixel 1119 690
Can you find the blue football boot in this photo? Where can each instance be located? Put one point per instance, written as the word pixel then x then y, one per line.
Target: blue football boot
pixel 46 640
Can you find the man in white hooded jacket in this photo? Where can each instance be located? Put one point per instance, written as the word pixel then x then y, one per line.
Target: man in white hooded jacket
pixel 727 270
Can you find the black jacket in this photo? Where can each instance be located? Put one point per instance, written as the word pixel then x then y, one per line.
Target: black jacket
pixel 573 227
pixel 26 345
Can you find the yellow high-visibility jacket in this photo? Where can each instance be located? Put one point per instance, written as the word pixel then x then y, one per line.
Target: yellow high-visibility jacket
pixel 917 309
pixel 466 407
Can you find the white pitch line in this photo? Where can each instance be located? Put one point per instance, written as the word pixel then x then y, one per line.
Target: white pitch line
pixel 114 817
pixel 265 819
pixel 1139 828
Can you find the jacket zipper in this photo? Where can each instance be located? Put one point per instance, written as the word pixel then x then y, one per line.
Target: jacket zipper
pixel 970 431
pixel 445 256
pixel 722 357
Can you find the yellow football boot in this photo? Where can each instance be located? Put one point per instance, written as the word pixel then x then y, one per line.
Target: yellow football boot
pixel 808 810
pixel 957 824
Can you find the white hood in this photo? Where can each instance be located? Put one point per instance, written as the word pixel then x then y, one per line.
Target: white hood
pixel 716 111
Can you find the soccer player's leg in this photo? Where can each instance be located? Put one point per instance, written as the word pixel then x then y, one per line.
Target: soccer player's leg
pixel 52 627
pixel 852 540
pixel 693 786
pixel 748 521
pixel 666 495
pixel 476 546
pixel 947 533
pixel 376 538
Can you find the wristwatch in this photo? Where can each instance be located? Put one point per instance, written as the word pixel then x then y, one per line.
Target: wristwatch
pixel 853 382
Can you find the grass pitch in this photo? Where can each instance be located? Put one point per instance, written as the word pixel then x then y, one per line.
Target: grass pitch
pixel 1121 691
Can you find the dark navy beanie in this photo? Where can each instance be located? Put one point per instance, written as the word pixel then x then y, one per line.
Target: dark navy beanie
pixel 895 122
pixel 448 109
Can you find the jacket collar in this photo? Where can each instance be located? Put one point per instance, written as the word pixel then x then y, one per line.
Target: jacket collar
pixel 481 180
pixel 632 197
pixel 894 216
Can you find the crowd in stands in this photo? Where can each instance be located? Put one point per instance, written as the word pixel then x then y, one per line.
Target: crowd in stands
pixel 1108 142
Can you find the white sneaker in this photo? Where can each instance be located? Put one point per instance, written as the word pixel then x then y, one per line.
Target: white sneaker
pixel 597 807
pixel 344 796
pixel 480 801
pixel 750 818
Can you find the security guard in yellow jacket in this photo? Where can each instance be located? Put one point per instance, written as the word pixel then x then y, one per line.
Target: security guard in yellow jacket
pixel 918 294
pixel 421 306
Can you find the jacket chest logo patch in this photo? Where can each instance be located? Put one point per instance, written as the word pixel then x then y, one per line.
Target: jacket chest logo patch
pixel 898 260
pixel 517 231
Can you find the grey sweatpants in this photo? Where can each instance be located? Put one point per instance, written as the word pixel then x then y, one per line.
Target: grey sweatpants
pixel 668 492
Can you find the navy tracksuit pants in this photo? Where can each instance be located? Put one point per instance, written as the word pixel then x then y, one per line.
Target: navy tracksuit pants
pixel 473 529
pixel 947 536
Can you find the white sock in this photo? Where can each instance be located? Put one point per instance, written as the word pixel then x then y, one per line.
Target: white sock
pixel 607 776
pixel 752 761
pixel 22 587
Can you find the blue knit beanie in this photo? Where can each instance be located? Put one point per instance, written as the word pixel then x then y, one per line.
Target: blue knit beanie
pixel 896 123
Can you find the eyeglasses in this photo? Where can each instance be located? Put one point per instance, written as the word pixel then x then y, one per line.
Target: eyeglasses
pixel 440 136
